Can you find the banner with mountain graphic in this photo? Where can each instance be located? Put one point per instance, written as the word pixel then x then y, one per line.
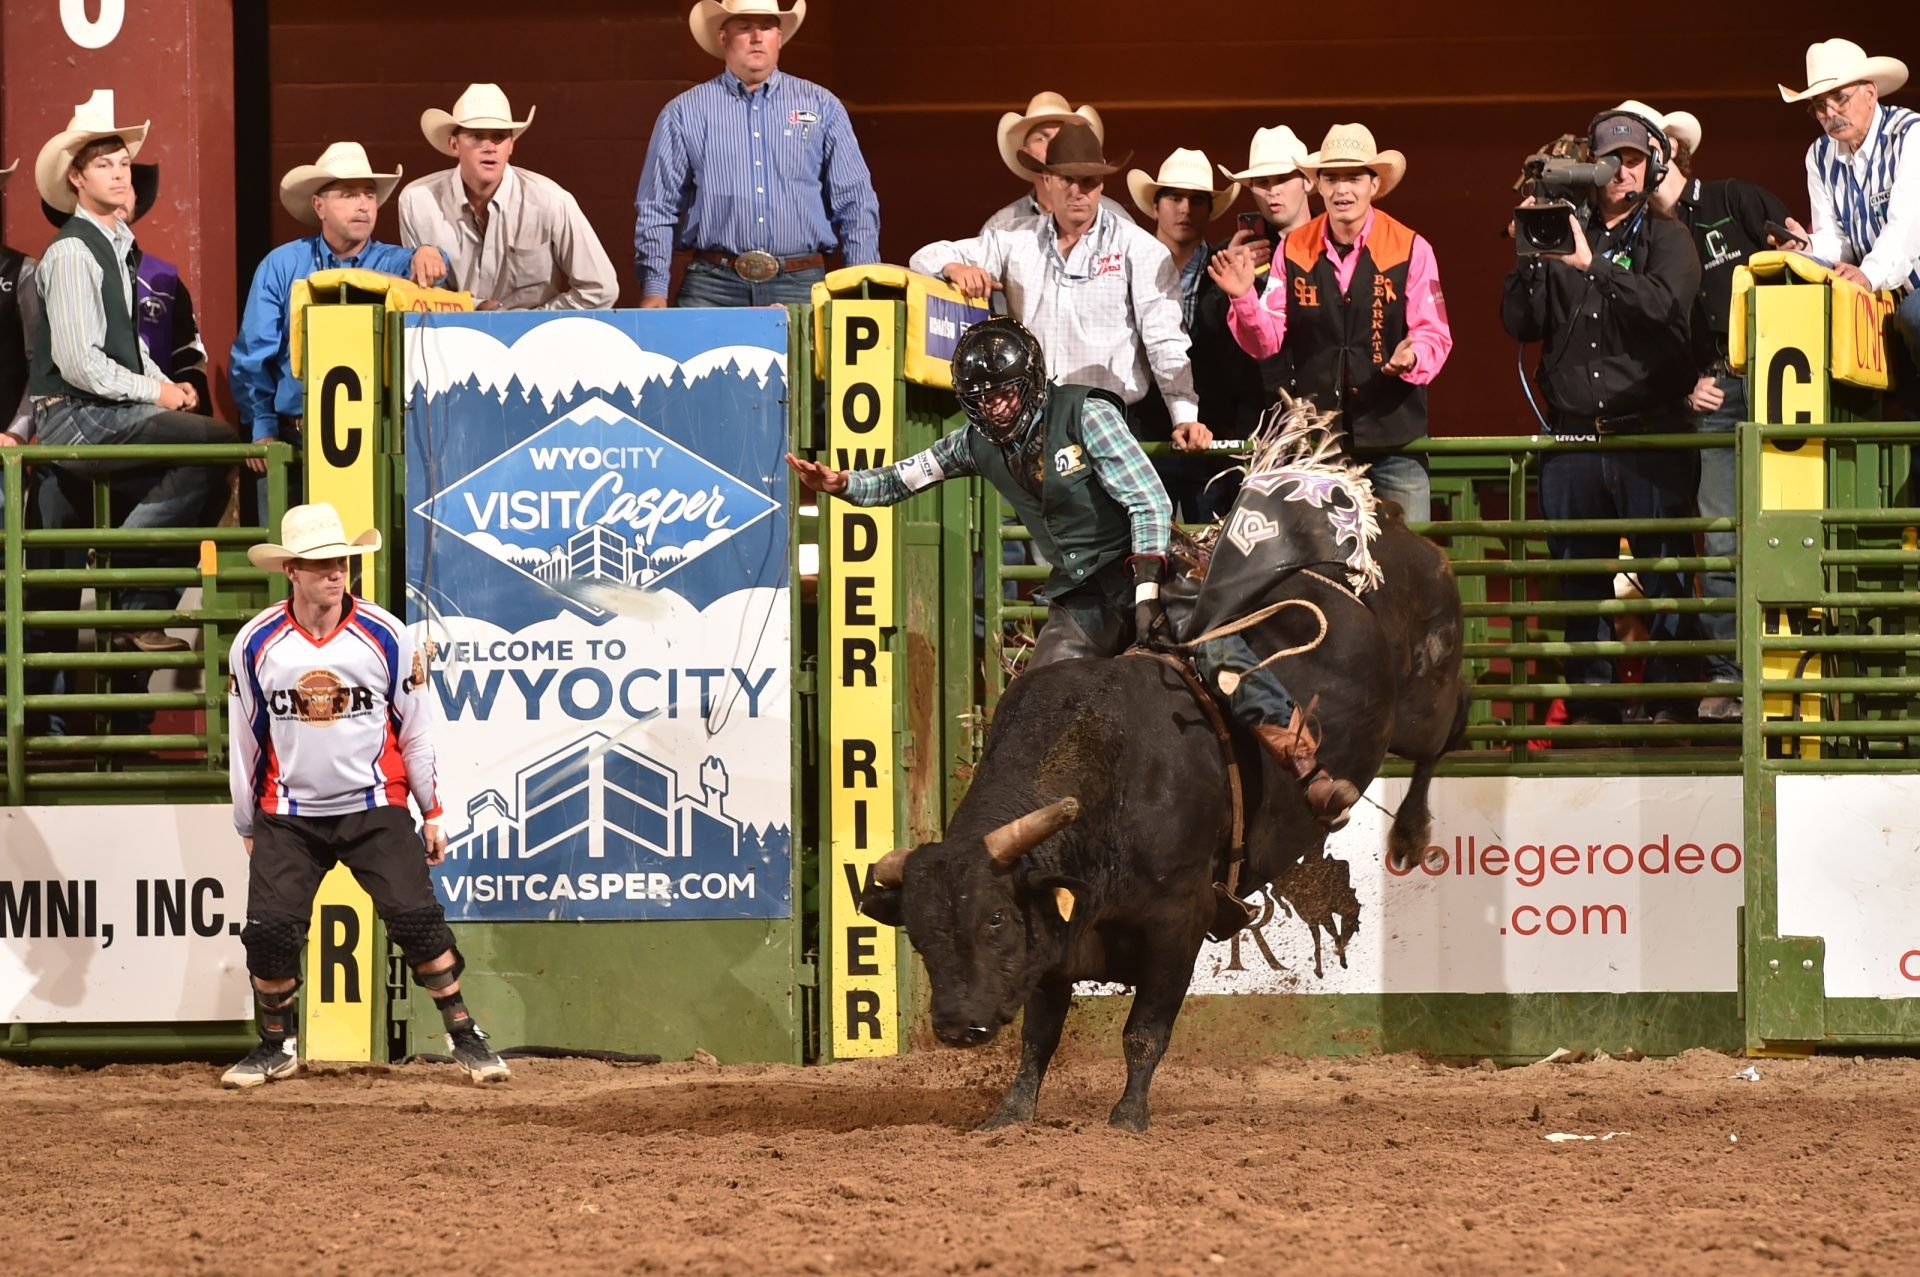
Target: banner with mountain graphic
pixel 597 548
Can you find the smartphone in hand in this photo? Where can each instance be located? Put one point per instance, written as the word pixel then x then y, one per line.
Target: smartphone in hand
pixel 1253 224
pixel 1784 237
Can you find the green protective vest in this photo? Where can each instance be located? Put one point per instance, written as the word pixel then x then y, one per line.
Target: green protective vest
pixel 1077 525
pixel 123 339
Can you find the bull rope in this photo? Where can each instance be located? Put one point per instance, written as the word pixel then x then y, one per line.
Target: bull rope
pixel 1229 679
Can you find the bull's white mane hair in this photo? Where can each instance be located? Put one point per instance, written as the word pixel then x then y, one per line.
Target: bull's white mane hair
pixel 1295 448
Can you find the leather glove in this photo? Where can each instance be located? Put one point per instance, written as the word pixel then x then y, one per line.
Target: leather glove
pixel 1150 626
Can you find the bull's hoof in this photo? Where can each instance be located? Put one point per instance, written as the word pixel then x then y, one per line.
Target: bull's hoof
pixel 1008 1115
pixel 1129 1115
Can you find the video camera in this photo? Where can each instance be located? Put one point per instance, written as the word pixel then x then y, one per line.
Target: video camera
pixel 1564 176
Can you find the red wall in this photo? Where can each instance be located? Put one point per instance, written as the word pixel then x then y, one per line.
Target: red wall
pixel 1456 88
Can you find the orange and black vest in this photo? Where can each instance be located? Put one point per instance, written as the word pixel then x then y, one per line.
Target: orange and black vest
pixel 1337 341
pixel 13 334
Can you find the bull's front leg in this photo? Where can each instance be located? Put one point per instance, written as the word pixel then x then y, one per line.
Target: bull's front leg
pixel 1156 1004
pixel 1040 1025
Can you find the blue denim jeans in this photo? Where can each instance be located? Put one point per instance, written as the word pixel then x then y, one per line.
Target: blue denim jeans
pixel 176 496
pixel 1402 477
pixel 1718 500
pixel 711 284
pixel 1621 485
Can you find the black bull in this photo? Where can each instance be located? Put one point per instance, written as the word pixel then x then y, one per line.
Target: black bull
pixel 1100 818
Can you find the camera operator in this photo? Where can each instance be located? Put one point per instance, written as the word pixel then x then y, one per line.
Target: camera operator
pixel 1616 359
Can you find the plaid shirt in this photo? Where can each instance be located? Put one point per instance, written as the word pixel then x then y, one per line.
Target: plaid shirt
pixel 1108 314
pixel 1112 451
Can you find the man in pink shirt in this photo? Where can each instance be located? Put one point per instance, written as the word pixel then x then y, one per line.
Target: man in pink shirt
pixel 1369 326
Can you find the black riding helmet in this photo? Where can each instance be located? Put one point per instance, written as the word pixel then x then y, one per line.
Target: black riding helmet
pixel 994 355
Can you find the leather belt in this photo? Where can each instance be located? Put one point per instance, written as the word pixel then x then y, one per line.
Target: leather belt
pixel 757 267
pixel 1648 421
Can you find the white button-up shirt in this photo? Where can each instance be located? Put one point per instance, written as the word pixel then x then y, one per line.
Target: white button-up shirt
pixel 537 251
pixel 1108 314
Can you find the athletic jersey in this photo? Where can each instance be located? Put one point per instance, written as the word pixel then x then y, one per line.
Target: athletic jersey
pixel 325 726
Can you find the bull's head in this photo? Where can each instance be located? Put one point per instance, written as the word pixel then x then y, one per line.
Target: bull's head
pixel 986 922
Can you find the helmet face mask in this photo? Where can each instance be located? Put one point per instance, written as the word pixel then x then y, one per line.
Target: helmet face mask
pixel 1000 377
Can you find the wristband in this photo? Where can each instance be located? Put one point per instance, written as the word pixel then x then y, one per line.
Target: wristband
pixel 1146 591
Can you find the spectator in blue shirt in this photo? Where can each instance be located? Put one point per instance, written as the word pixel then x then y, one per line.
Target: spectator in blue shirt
pixel 341 195
pixel 756 172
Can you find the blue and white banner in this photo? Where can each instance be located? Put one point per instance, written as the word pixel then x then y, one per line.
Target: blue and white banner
pixel 597 549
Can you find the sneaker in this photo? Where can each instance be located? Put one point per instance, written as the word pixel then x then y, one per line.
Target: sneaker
pixel 1720 709
pixel 267 1062
pixel 470 1051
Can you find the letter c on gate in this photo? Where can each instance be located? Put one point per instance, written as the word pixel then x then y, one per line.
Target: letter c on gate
pixel 339 452
pixel 1787 357
pixel 92 33
pixel 1910 965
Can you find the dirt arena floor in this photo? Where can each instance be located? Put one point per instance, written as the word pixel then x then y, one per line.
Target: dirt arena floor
pixel 1383 1164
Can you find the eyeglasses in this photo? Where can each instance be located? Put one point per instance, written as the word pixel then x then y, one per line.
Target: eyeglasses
pixel 1832 103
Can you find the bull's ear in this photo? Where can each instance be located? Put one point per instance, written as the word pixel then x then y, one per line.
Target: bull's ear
pixel 1068 899
pixel 882 904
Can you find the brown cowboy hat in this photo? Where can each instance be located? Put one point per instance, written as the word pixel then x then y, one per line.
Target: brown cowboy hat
pixel 1074 152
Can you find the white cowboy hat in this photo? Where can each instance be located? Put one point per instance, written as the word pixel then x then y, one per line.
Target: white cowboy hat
pixel 1834 63
pixel 340 162
pixel 1274 153
pixel 92 120
pixel 709 16
pixel 1183 171
pixel 1351 146
pixel 312 532
pixel 7 172
pixel 1682 126
pixel 482 106
pixel 1047 107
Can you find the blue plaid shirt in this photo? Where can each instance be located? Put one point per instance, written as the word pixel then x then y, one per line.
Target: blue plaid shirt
pixel 776 169
pixel 1114 454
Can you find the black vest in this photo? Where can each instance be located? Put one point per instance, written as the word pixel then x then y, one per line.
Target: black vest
pixel 1076 524
pixel 1338 341
pixel 122 344
pixel 13 335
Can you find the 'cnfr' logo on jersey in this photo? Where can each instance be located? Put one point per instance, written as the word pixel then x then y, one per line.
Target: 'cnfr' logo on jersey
pixel 319 698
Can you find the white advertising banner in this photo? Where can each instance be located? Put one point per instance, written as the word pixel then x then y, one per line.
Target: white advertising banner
pixel 1849 870
pixel 121 914
pixel 1605 885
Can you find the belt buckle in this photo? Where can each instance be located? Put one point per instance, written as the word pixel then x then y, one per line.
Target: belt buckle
pixel 756 266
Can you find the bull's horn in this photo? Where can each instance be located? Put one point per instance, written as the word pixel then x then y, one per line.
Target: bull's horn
pixel 1017 837
pixel 890 869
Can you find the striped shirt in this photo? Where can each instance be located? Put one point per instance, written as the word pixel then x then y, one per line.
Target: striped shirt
pixel 28 296
pixel 775 169
pixel 1113 453
pixel 1866 202
pixel 323 726
pixel 70 281
pixel 1108 314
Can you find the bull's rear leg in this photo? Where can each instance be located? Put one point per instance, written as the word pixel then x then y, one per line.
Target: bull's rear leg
pixel 1040 1025
pixel 1413 824
pixel 1156 1004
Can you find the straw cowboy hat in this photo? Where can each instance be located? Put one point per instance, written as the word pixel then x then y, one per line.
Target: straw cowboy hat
pixel 1074 152
pixel 1351 146
pixel 1274 153
pixel 92 120
pixel 1046 108
pixel 710 15
pixel 343 161
pixel 482 106
pixel 312 532
pixel 1682 126
pixel 7 172
pixel 1183 171
pixel 1834 63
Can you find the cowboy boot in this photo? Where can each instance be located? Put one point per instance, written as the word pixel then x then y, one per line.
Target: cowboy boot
pixel 1297 747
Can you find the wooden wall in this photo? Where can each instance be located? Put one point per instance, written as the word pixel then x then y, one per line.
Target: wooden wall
pixel 1458 88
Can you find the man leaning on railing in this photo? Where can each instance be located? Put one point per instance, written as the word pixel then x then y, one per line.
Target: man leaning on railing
pixel 93 380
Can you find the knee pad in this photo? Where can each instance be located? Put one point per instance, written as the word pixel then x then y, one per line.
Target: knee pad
pixel 274 943
pixel 422 934
pixel 441 979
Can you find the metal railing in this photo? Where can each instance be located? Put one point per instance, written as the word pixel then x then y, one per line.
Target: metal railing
pixel 58 658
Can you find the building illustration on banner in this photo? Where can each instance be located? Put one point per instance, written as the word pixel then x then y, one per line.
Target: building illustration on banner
pixel 598 800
